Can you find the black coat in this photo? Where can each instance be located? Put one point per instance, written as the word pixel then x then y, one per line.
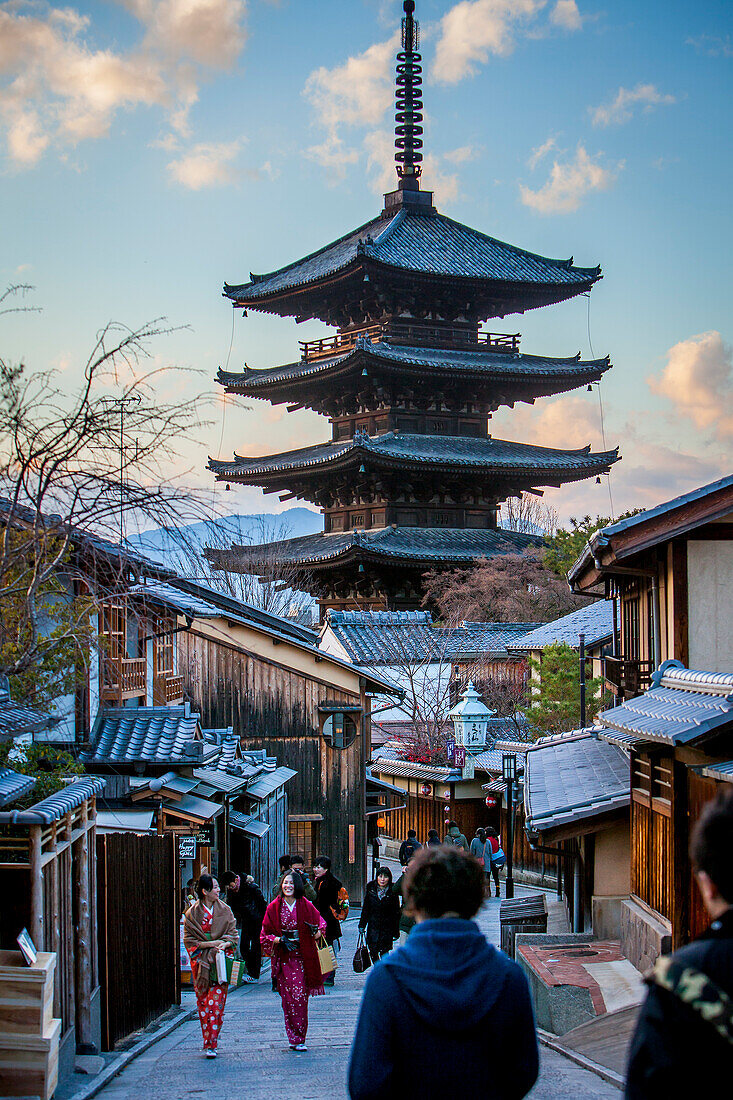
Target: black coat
pixel 674 1051
pixel 327 898
pixel 380 916
pixel 248 905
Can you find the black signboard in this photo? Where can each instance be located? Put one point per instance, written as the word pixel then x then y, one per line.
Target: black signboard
pixel 187 847
pixel 205 836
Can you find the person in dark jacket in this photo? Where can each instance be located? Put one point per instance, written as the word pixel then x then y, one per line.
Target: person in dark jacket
pixel 408 848
pixel 433 840
pixel 455 837
pixel 327 903
pixel 380 914
pixel 246 901
pixel 447 1014
pixel 684 1034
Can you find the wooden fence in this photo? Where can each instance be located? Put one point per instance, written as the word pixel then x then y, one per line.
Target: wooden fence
pixel 138 891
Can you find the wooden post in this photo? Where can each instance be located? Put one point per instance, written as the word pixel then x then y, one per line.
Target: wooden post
pixel 37 929
pixel 83 945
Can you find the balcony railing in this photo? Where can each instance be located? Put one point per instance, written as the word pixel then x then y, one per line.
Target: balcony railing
pixel 628 677
pixel 405 332
pixel 167 690
pixel 125 678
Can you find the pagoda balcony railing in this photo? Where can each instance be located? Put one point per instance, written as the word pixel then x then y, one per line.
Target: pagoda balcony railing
pixel 124 678
pixel 167 689
pixel 405 332
pixel 627 677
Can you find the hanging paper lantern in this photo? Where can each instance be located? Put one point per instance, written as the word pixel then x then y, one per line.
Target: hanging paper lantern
pixel 490 800
pixel 426 789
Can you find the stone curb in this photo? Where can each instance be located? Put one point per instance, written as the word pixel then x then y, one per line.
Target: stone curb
pixel 553 1043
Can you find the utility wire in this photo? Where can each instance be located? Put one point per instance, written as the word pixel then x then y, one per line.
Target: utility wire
pixel 600 407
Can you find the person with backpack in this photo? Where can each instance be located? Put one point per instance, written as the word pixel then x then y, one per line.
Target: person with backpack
pixel 494 858
pixel 408 848
pixel 684 1031
pixel 455 837
pixel 478 844
pixel 448 1014
pixel 433 840
pixel 380 915
pixel 332 902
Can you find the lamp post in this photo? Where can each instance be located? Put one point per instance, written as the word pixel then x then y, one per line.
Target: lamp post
pixel 509 775
pixel 470 718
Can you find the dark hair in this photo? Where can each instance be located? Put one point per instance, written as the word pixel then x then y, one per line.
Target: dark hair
pixel 444 880
pixel 433 832
pixel 491 831
pixel 322 861
pixel 285 862
pixel 383 871
pixel 298 883
pixel 452 824
pixel 411 832
pixel 227 878
pixel 296 859
pixel 205 882
pixel 712 843
pixel 481 834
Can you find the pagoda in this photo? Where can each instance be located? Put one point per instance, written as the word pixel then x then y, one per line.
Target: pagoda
pixel 411 479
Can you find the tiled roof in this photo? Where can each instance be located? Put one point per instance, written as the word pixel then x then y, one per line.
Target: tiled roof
pixel 150 735
pixel 488 761
pixel 13 785
pixel 408 770
pixel 459 361
pixel 595 621
pixel 573 779
pixel 16 718
pixel 269 782
pixel 723 771
pixel 433 244
pixel 386 637
pixel 424 544
pixel 444 451
pixel 683 706
pixel 62 802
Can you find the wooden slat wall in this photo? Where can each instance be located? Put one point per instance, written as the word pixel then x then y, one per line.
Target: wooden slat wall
pixel 138 891
pixel 652 862
pixel 275 708
pixel 699 791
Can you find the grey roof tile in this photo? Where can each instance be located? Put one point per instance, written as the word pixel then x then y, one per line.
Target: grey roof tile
pixel 17 718
pixel 595 621
pixel 62 802
pixel 572 779
pixel 432 244
pixel 150 735
pixel 13 785
pixel 683 706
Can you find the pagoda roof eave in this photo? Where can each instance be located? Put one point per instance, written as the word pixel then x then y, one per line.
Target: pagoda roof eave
pixel 433 247
pixel 449 455
pixel 400 359
pixel 410 547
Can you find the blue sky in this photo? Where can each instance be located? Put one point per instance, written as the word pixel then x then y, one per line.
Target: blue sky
pixel 152 150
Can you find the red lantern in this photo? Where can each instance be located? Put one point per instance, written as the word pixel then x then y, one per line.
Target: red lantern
pixel 490 800
pixel 426 789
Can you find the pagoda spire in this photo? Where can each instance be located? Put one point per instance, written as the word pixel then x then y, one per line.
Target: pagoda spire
pixel 408 103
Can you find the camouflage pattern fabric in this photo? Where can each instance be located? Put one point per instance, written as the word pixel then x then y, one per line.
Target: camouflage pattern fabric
pixel 696 990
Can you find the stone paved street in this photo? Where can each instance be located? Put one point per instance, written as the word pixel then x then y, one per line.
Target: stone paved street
pixel 255 1062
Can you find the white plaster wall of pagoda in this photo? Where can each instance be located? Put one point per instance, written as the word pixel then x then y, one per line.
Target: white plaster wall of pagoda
pixel 710 605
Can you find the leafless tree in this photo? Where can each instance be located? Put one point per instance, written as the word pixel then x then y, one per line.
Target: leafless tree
pixel 529 515
pixel 75 468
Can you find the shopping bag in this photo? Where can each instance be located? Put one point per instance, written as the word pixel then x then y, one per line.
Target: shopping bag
pixel 228 969
pixel 326 956
pixel 362 958
pixel 498 859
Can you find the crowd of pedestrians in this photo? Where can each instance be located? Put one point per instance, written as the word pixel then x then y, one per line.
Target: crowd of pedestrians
pixel 446 992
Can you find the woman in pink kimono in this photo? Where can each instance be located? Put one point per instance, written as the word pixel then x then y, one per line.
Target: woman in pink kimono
pixel 288 936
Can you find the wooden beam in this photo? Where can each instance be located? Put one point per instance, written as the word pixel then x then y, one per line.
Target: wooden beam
pixel 83 941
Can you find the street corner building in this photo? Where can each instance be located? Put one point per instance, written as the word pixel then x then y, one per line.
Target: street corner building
pixel 411 479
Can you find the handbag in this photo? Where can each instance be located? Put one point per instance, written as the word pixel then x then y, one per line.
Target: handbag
pixel 326 956
pixel 498 859
pixel 228 969
pixel 362 958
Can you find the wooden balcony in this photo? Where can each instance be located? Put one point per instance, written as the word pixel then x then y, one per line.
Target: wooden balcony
pixel 167 690
pixel 627 677
pixel 124 678
pixel 411 334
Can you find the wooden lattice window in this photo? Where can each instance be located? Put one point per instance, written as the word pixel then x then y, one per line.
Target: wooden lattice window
pixel 164 652
pixel 303 840
pixel 651 831
pixel 632 637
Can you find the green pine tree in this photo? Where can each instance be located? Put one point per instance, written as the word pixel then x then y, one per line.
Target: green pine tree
pixel 555 699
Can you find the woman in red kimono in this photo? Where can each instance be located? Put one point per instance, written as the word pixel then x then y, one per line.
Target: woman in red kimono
pixel 288 936
pixel 209 926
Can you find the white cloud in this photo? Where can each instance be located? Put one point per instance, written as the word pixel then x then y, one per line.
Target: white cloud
pixel 565 15
pixel 541 151
pixel 56 89
pixel 621 109
pixel 698 380
pixel 461 155
pixel 569 184
pixel 712 44
pixel 379 147
pixel 206 165
pixel 474 29
pixel 356 93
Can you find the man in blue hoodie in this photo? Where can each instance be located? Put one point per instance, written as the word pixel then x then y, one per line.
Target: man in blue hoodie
pixel 447 1013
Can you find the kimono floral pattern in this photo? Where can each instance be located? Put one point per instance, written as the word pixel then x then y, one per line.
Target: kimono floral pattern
pixel 211 1003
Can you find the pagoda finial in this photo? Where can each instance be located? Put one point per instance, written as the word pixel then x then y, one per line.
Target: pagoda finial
pixel 408 103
